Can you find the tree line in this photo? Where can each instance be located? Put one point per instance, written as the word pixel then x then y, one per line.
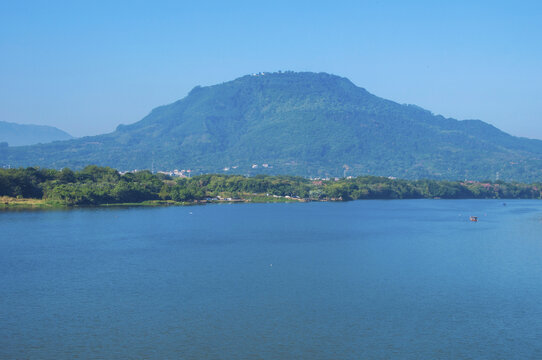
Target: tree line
pixel 103 185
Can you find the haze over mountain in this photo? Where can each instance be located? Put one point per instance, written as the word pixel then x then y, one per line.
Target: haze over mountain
pixel 18 134
pixel 309 124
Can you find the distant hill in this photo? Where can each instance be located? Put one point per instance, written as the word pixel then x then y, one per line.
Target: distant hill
pixel 309 124
pixel 17 134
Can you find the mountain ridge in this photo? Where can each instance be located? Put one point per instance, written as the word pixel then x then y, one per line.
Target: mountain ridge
pixel 309 124
pixel 28 134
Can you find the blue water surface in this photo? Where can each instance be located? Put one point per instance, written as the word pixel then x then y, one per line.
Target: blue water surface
pixel 406 279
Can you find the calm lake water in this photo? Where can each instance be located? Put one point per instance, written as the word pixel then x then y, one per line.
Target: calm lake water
pixel 358 280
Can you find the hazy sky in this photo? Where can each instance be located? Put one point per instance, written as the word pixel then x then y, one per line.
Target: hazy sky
pixel 87 66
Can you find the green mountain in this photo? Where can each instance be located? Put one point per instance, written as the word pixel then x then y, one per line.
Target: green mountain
pixel 309 124
pixel 17 134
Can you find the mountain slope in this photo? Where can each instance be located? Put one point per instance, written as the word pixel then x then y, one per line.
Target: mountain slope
pixel 17 134
pixel 299 123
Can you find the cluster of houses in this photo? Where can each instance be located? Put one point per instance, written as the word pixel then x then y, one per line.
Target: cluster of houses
pixel 278 72
pixel 318 180
pixel 227 168
pixel 129 172
pixel 178 173
pixel 253 166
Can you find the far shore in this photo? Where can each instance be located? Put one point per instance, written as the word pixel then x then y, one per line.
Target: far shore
pixel 11 203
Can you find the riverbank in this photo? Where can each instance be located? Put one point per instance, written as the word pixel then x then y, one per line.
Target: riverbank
pixel 7 203
pixel 99 186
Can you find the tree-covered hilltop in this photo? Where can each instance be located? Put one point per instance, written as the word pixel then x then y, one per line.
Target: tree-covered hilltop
pixel 306 124
pixel 102 185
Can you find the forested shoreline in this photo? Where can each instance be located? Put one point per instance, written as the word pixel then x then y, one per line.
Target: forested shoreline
pixel 95 186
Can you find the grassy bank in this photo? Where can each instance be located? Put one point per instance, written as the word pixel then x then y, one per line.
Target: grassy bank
pixel 7 202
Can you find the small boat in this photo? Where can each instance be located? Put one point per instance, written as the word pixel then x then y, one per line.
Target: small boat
pixel 474 218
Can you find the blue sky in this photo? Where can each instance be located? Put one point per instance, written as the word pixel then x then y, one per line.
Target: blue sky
pixel 87 66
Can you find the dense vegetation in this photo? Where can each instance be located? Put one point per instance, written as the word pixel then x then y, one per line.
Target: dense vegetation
pixel 303 124
pixel 101 185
